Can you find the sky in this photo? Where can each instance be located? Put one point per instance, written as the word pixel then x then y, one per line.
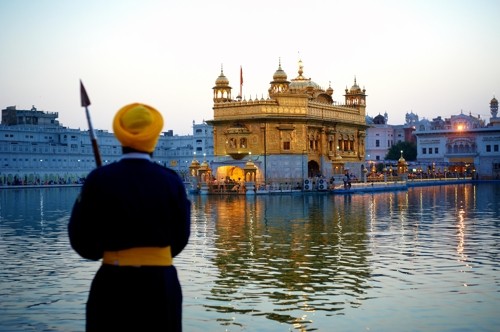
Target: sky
pixel 430 57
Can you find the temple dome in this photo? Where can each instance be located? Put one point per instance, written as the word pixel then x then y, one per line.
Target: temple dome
pixel 279 74
pixel 301 83
pixel 379 119
pixel 221 80
pixel 304 84
pixel 355 87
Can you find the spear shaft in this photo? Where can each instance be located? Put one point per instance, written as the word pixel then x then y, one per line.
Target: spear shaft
pixel 85 103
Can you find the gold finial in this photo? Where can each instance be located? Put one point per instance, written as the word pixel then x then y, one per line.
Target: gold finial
pixel 301 67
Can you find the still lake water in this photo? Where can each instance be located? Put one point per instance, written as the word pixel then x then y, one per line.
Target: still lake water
pixel 426 259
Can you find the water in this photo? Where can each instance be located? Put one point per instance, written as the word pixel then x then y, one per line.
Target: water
pixel 421 260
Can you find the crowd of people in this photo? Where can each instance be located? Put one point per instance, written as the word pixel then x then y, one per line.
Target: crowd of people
pixel 18 181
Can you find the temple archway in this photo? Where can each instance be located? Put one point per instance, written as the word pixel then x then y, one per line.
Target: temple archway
pixel 313 169
pixel 231 172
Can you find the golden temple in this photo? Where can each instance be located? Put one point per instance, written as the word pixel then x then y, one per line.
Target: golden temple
pixel 297 132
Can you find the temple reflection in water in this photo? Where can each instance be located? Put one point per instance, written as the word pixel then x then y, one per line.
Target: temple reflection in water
pixel 308 253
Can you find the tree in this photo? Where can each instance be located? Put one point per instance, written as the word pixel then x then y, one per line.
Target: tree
pixel 409 151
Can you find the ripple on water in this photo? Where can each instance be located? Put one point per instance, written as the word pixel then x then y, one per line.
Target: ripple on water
pixel 426 259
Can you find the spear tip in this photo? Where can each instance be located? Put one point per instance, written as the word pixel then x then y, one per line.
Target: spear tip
pixel 83 95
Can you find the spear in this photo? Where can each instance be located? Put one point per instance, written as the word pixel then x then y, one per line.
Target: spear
pixel 85 103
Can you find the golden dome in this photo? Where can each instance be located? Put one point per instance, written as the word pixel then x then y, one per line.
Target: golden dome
pixel 301 83
pixel 355 87
pixel 329 91
pixel 304 84
pixel 401 159
pixel 221 80
pixel 204 164
pixel 279 74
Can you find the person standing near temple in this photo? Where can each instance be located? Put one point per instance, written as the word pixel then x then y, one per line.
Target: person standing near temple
pixel 134 214
pixel 347 180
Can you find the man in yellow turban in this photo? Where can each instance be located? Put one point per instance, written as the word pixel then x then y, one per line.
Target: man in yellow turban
pixel 133 214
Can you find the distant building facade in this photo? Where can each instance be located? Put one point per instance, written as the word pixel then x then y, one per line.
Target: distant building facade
pixel 464 142
pixel 461 144
pixel 379 137
pixel 36 149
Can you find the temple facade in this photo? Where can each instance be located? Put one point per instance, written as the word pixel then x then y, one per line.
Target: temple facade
pixel 297 133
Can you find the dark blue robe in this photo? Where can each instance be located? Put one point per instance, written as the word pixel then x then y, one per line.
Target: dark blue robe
pixel 127 204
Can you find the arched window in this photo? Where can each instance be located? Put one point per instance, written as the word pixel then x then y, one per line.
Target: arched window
pixel 243 143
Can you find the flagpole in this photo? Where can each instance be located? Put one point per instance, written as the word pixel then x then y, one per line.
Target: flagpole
pixel 85 103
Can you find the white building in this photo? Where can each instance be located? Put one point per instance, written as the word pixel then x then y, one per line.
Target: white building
pixel 35 148
pixel 464 142
pixel 379 138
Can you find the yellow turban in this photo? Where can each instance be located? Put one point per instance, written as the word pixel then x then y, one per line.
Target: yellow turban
pixel 138 126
